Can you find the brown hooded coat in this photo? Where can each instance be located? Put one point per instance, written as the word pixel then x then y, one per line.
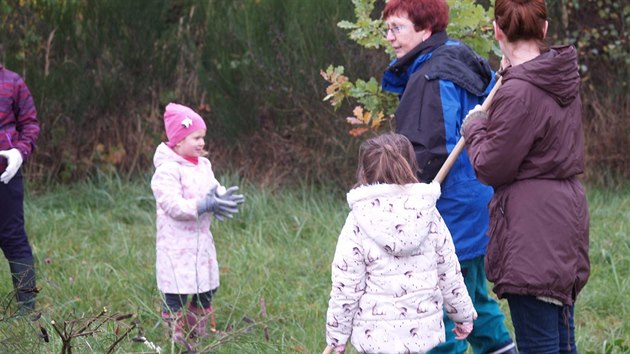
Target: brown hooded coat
pixel 531 149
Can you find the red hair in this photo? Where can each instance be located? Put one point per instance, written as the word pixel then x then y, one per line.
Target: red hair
pixel 521 19
pixel 432 14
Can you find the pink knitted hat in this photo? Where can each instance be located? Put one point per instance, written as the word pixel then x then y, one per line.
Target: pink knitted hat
pixel 180 121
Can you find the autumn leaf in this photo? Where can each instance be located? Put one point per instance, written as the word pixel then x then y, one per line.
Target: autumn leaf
pixel 367 116
pixel 324 75
pixel 357 131
pixel 376 121
pixel 353 121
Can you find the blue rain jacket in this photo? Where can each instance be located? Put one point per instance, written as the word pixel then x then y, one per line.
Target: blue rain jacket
pixel 438 83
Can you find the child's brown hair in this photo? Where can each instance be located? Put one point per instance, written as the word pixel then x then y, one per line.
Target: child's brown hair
pixel 387 158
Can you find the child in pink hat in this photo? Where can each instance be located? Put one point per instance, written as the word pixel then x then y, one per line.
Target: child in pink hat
pixel 187 195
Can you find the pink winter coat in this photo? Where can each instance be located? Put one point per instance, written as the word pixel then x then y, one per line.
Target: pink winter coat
pixel 186 261
pixel 394 268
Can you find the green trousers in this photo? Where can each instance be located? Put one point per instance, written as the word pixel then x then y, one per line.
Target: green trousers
pixel 489 333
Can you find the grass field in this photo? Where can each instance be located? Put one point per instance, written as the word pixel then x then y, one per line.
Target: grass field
pixel 94 248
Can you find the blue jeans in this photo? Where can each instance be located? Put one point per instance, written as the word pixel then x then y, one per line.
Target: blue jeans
pixel 541 327
pixel 489 333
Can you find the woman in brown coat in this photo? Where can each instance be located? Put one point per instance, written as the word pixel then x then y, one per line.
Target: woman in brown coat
pixel 529 147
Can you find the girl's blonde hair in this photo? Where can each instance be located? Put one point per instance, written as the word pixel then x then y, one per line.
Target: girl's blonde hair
pixel 387 158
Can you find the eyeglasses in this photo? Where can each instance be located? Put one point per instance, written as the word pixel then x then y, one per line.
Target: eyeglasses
pixel 395 30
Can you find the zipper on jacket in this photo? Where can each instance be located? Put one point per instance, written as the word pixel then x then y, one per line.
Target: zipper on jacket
pixel 8 135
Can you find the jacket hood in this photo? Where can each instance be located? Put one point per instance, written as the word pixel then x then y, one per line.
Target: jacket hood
pixel 164 154
pixel 458 63
pixel 398 218
pixel 554 71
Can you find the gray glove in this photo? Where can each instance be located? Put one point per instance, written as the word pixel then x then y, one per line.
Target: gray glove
pixel 221 208
pixel 229 195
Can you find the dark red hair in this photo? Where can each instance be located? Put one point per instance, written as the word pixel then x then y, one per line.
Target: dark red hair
pixel 432 14
pixel 521 19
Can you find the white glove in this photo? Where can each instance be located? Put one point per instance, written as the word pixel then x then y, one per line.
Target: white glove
pixel 14 161
pixel 477 108
pixel 473 114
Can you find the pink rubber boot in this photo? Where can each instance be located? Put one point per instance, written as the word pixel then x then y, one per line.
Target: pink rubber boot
pixel 176 327
pixel 197 319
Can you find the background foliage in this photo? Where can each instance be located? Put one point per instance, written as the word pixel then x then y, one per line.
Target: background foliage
pixel 102 71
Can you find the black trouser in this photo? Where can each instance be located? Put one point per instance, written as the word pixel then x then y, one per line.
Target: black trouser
pixel 14 242
pixel 175 302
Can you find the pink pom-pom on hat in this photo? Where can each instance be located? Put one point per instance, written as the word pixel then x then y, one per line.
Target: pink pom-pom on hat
pixel 180 121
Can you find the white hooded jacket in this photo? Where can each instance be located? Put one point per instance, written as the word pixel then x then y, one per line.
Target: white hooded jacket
pixel 394 268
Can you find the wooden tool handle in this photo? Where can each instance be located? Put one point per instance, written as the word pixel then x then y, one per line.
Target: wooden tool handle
pixel 450 160
pixel 486 103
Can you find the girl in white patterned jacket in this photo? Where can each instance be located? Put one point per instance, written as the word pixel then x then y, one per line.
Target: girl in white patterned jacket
pixel 187 194
pixel 395 265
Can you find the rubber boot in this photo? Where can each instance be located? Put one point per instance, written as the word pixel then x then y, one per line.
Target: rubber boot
pixel 197 319
pixel 23 276
pixel 176 327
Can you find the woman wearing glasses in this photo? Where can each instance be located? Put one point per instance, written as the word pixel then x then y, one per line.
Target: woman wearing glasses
pixel 439 80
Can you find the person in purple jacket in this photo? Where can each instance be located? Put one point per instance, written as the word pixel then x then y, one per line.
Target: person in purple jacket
pixel 529 147
pixel 438 80
pixel 19 129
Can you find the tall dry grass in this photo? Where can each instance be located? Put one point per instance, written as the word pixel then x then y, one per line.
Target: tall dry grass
pixel 607 137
